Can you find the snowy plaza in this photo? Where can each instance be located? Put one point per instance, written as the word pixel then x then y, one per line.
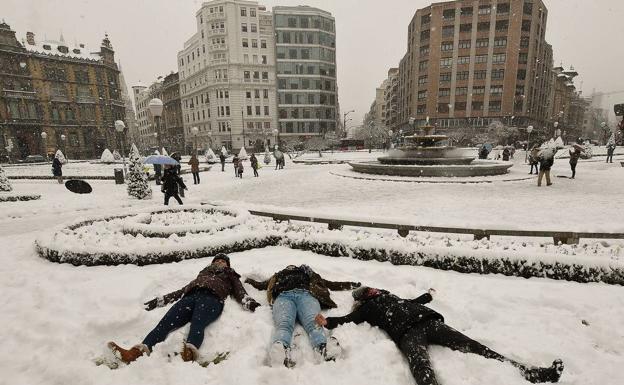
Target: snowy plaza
pixel 57 318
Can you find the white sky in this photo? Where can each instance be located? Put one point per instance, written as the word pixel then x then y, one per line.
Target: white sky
pixel 371 36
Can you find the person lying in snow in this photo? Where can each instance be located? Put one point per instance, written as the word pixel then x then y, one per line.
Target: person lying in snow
pixel 200 303
pixel 297 292
pixel 414 326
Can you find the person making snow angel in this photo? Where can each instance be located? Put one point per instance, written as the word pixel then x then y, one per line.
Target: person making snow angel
pixel 200 303
pixel 298 293
pixel 414 326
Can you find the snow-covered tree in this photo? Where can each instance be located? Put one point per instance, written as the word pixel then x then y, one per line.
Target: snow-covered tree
pixel 138 185
pixel 5 185
pixel 116 155
pixel 60 156
pixel 107 156
pixel 267 157
pixel 242 154
pixel 164 152
pixel 224 151
pixel 210 155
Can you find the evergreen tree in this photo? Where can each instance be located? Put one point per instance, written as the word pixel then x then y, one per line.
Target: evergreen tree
pixel 138 185
pixel 5 185
pixel 107 156
pixel 116 155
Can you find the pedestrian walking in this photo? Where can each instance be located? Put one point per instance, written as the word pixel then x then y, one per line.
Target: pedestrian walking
pixel 235 162
pixel 199 303
pixel 194 162
pixel 57 169
pixel 575 154
pixel 546 160
pixel 506 154
pixel 254 164
pixel 299 293
pixel 240 168
pixel 222 159
pixel 533 159
pixel 172 183
pixel 413 327
pixel 610 152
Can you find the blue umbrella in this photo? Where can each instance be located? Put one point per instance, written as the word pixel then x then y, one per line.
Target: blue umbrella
pixel 161 159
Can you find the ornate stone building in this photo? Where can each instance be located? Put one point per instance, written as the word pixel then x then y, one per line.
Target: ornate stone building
pixel 67 92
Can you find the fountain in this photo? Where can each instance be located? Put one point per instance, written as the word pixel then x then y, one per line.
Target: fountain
pixel 427 155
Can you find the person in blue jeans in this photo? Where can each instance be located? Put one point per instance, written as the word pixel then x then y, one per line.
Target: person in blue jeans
pixel 297 293
pixel 200 303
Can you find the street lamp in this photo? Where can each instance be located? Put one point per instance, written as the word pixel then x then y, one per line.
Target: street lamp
pixel 63 138
pixel 120 127
pixel 156 140
pixel 194 131
pixel 276 133
pixel 44 136
pixel 156 108
pixel 526 156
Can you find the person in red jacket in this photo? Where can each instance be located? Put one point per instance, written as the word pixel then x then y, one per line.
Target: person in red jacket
pixel 413 327
pixel 200 303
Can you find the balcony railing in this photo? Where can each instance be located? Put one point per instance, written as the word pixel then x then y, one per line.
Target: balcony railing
pixel 219 47
pixel 216 16
pixel 59 98
pixel 19 94
pixel 85 99
pixel 217 31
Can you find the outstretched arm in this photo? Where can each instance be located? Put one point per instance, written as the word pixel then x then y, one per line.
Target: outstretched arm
pixel 241 296
pixel 163 300
pixel 425 298
pixel 356 317
pixel 260 285
pixel 340 285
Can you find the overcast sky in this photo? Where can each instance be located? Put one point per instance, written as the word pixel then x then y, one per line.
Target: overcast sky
pixel 371 36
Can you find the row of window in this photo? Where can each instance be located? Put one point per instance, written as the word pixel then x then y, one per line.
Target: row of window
pixel 493 106
pixel 445 46
pixel 311 53
pixel 254 43
pixel 250 110
pixel 459 91
pixel 496 74
pixel 306 84
pixel 314 22
pixel 500 26
pixel 501 9
pixel 252 27
pixel 307 127
pixel 448 62
pixel 301 98
pixel 290 68
pixel 306 113
pixel 306 37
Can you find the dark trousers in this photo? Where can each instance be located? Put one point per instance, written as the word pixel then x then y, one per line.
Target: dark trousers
pixel 609 157
pixel 573 168
pixel 196 177
pixel 174 195
pixel 255 172
pixel 157 178
pixel 223 166
pixel 536 165
pixel 414 344
pixel 200 308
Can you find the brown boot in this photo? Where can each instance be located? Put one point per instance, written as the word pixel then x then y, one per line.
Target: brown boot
pixel 128 355
pixel 189 352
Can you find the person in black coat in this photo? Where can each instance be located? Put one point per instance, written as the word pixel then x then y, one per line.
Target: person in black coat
pixel 254 164
pixel 171 181
pixel 57 169
pixel 413 326
pixel 222 159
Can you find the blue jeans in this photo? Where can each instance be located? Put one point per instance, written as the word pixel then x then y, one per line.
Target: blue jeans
pixel 200 308
pixel 294 305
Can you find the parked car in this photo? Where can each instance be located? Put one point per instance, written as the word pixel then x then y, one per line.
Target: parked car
pixel 33 159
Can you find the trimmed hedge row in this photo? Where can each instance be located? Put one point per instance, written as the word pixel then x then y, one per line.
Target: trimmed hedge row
pixel 467 264
pixel 19 198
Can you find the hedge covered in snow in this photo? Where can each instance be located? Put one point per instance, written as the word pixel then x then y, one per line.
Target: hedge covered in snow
pixel 105 241
pixel 19 198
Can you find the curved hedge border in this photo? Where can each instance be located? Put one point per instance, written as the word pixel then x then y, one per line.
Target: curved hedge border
pixel 19 198
pixel 142 224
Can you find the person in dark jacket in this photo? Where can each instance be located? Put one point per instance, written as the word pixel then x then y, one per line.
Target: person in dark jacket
pixel 200 302
pixel 413 326
pixel 575 154
pixel 533 160
pixel 610 152
pixel 506 154
pixel 297 292
pixel 546 160
pixel 222 159
pixel 235 161
pixel 57 169
pixel 157 173
pixel 254 164
pixel 194 162
pixel 483 152
pixel 171 181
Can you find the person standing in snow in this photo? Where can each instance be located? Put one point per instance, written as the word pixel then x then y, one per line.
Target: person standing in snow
pixel 533 160
pixel 413 327
pixel 546 160
pixel 200 302
pixel 299 293
pixel 240 168
pixel 254 164
pixel 194 162
pixel 171 181
pixel 610 152
pixel 57 169
pixel 575 154
pixel 222 159
pixel 235 161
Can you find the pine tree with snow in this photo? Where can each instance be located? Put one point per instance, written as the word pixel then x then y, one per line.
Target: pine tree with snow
pixel 60 156
pixel 210 155
pixel 224 151
pixel 116 155
pixel 242 154
pixel 107 156
pixel 138 185
pixel 5 185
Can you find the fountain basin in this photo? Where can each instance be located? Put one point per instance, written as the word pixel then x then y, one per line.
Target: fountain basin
pixel 476 168
pixel 426 161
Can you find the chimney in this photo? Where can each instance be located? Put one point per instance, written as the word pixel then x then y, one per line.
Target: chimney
pixel 30 38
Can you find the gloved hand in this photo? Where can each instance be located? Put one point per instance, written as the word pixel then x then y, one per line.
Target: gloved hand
pixel 154 303
pixel 250 304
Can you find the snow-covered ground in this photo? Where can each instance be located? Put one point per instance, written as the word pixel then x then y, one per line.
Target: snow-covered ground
pixel 56 318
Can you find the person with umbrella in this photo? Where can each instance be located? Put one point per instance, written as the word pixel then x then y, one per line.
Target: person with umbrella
pixel 546 159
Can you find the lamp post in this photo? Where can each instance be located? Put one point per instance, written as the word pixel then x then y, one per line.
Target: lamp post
pixel 63 138
pixel 344 125
pixel 44 137
pixel 156 108
pixel 276 132
pixel 210 138
pixel 526 155
pixel 120 127
pixel 605 129
pixel 194 131
pixel 157 141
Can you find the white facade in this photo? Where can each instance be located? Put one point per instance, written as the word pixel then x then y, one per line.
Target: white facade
pixel 227 76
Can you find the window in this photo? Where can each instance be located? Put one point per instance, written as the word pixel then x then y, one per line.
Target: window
pixel 423 65
pixel 498 74
pixel 266 110
pixel 249 111
pixel 422 80
pixel 481 59
pixel 244 27
pixel 248 94
pixel 466 11
pixel 448 30
pixel 478 90
pixel 477 106
pixel 263 44
pixel 425 19
pixel 243 11
pixel 500 42
pixel 424 35
pixel 252 12
pixel 460 106
pixel 485 10
pixel 421 109
pixel 495 105
pixel 463 60
pixel 256 75
pixel 502 8
pixel 523 58
pixel 245 43
pixel 447 46
pixel 265 94
pixel 519 90
pixel 496 90
pixel 424 50
pixel 247 76
pixel 521 75
pixel 254 43
pixel 446 62
pixel 483 26
pixel 422 95
pixel 257 110
pixel 264 59
pixel 524 42
pixel 257 94
pixel 292 22
pixel 461 91
pixel 443 107
pixel 265 76
pixel 444 92
pixel 463 75
pixel 482 43
pixel 254 28
pixel 528 8
pixel 448 14
pixel 499 58
pixel 526 25
pixel 445 77
pixel 502 25
pixel 465 27
pixel 464 44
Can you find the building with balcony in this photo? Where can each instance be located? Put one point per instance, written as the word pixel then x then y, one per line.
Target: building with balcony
pixel 470 63
pixel 63 90
pixel 227 76
pixel 306 72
